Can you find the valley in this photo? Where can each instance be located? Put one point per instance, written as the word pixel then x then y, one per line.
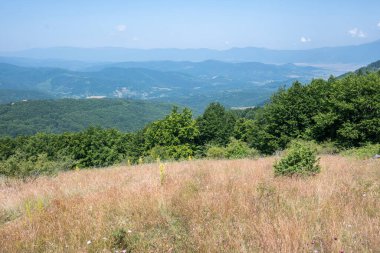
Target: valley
pixel 192 84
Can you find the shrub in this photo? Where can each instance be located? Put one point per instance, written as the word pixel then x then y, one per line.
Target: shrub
pixel 300 160
pixel 160 152
pixel 180 152
pixel 172 152
pixel 20 166
pixel 364 152
pixel 237 149
pixel 216 152
pixel 328 148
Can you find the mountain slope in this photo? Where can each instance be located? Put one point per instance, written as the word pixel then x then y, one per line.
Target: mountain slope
pixel 372 67
pixel 70 115
pixel 9 95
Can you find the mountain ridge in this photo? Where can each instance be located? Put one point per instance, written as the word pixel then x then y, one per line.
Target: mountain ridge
pixel 359 54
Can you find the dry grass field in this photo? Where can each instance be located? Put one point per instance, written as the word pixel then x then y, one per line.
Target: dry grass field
pixel 195 206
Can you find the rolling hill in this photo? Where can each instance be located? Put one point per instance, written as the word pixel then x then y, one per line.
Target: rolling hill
pixel 194 84
pixel 71 115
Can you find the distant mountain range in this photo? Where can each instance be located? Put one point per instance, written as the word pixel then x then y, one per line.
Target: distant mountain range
pixel 233 77
pixel 194 84
pixel 358 54
pixel 142 79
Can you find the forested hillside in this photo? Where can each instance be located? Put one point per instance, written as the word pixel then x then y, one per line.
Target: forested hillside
pixel 73 115
pixel 374 66
pixel 10 95
pixel 340 113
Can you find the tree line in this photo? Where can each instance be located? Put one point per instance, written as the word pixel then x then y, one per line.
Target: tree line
pixel 344 112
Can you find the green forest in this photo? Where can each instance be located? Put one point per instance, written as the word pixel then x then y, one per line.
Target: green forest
pixel 73 115
pixel 340 113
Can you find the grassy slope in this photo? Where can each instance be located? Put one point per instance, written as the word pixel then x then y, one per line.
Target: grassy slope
pixel 213 206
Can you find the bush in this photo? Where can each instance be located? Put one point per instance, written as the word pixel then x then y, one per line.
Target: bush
pixel 328 148
pixel 237 149
pixel 324 148
pixel 299 160
pixel 216 152
pixel 364 152
pixel 160 152
pixel 173 152
pixel 19 166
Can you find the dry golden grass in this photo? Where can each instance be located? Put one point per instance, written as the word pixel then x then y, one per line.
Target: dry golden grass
pixel 198 206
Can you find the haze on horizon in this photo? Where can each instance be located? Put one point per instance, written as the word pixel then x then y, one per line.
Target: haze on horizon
pixel 187 24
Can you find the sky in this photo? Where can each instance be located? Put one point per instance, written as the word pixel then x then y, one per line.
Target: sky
pixel 215 24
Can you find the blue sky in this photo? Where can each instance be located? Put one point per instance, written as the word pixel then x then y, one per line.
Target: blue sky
pixel 213 24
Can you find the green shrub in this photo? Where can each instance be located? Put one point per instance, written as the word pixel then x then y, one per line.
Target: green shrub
pixel 173 152
pixel 20 166
pixel 328 148
pixel 300 160
pixel 237 149
pixel 180 152
pixel 364 152
pixel 216 152
pixel 160 152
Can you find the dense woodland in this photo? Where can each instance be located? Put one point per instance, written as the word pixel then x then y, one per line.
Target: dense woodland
pixel 73 115
pixel 343 112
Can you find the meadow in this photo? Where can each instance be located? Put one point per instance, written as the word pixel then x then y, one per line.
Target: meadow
pixel 195 206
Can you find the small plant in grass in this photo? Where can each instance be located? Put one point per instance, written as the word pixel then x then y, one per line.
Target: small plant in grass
pixel 124 240
pixel 162 173
pixel 300 160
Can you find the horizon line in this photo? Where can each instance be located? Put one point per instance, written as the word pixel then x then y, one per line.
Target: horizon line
pixel 182 49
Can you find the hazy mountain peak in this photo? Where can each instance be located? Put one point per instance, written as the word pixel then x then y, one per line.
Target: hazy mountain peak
pixel 357 54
